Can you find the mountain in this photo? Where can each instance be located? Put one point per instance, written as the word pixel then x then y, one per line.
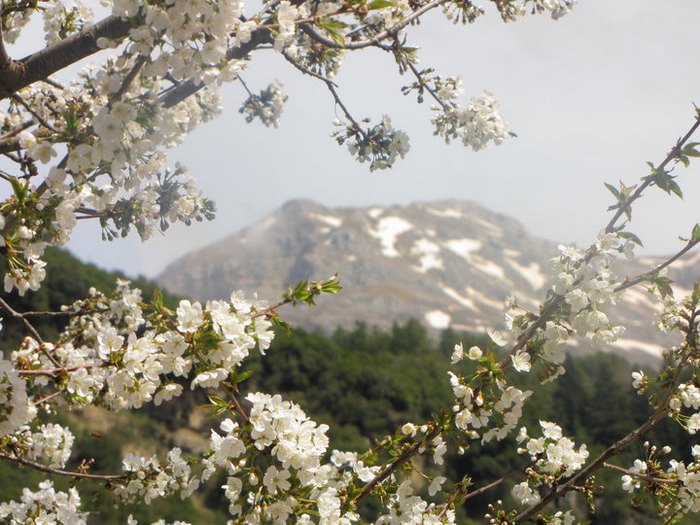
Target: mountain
pixel 447 263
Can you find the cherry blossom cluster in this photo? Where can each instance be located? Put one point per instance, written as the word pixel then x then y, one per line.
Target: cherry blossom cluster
pixel 15 409
pixel 553 456
pixel 62 19
pixel 475 125
pixel 105 362
pixel 687 395
pixel 50 445
pixel 379 145
pixel 113 172
pixel 687 498
pixel 511 11
pixel 486 399
pixel 588 285
pixel 267 106
pixel 148 478
pixel 676 488
pixel 45 505
pixel 294 447
pixel 584 290
pixel 132 521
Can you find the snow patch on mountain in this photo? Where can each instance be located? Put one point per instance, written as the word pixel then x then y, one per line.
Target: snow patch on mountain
pixel 489 268
pixel 481 298
pixel 429 255
pixel 438 319
pixel 333 222
pixel 494 230
pixel 451 213
pixel 387 231
pixel 461 299
pixel 464 247
pixel 531 273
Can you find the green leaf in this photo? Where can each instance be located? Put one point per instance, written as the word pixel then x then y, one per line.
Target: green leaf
pixel 631 237
pixel 663 284
pixel 331 285
pixel 19 189
pixel 279 323
pixel 695 236
pixel 243 376
pixel 666 182
pixel 217 401
pixel 333 28
pixel 695 297
pixel 379 4
pixel 691 150
pixel 675 188
pixel 613 190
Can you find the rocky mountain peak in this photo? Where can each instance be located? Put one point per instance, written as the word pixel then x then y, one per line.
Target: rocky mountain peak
pixel 445 263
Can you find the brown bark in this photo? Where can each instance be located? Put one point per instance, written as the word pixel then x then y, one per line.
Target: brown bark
pixel 40 65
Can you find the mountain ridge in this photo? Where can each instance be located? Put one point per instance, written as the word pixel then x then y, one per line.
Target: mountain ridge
pixel 445 263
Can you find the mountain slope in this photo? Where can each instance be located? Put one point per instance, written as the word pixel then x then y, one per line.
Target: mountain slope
pixel 447 263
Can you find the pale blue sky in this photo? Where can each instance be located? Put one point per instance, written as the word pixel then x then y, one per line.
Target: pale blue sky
pixel 591 96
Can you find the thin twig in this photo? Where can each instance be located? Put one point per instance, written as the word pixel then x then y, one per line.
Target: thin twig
pixel 306 70
pixel 53 372
pixel 332 87
pixel 556 300
pixel 392 467
pixel 645 276
pixel 129 78
pixel 268 311
pixel 49 314
pixel 44 399
pixel 15 314
pixel 19 129
pixel 642 475
pixel 392 31
pixel 638 192
pixel 60 472
pixel 445 106
pixel 38 117
pixel 457 494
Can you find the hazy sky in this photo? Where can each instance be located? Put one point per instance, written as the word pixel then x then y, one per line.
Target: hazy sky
pixel 592 97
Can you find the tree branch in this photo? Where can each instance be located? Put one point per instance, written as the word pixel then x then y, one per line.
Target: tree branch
pixel 40 65
pixel 189 87
pixel 60 472
pixel 396 464
pixel 5 59
pixel 16 315
pixel 654 271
